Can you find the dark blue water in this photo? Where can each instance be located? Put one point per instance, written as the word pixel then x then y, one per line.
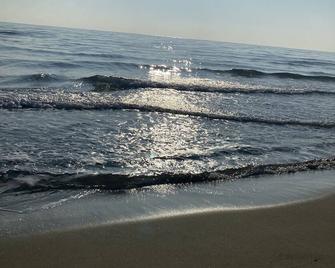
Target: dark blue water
pixel 91 109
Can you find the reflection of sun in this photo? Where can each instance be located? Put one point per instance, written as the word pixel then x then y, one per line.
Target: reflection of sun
pixel 163 73
pixel 169 72
pixel 172 142
pixel 166 99
pixel 169 137
pixel 172 76
pixel 162 142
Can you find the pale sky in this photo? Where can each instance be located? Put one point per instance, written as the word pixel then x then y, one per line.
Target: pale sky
pixel 289 23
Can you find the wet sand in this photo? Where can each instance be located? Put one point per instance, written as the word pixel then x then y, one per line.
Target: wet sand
pixel 297 235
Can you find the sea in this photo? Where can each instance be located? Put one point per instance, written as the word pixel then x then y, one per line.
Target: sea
pixel 110 116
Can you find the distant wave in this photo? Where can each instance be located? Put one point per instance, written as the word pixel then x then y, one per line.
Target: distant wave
pixel 97 101
pixel 307 62
pixel 21 181
pixel 112 83
pixel 36 33
pixel 255 73
pixel 59 52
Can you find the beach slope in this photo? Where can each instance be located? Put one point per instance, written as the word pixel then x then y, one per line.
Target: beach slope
pixel 297 235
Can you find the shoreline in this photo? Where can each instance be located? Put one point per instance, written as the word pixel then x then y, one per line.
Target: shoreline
pixel 95 209
pixel 298 234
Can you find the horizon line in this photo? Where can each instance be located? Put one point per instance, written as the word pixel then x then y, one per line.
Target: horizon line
pixel 168 36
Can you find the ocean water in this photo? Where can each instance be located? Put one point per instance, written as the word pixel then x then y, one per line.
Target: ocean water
pixel 85 111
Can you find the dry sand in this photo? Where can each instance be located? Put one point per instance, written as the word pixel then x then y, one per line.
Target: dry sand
pixel 297 235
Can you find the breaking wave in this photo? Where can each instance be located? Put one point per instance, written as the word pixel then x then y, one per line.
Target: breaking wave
pixel 29 181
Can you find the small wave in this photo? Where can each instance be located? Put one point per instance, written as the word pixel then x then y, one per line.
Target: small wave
pixel 112 83
pixel 45 77
pixel 47 181
pixel 255 73
pixel 97 101
pixel 39 78
pixel 10 32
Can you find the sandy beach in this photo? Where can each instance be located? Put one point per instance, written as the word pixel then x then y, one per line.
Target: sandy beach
pixel 297 235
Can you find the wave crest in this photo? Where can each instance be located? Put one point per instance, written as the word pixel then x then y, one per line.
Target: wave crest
pixel 112 83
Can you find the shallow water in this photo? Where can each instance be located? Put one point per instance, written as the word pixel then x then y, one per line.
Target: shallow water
pixel 71 209
pixel 92 110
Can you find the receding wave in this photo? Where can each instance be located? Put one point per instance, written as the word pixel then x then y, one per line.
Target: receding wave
pixel 112 83
pixel 255 73
pixel 26 181
pixel 97 101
